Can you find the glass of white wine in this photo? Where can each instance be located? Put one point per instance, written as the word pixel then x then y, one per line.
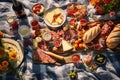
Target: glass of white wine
pixel 24 31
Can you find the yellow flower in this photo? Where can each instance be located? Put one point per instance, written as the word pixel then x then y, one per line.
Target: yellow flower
pixel 1 34
pixel 94 2
pixel 5 64
pixel 1 68
pixel 13 55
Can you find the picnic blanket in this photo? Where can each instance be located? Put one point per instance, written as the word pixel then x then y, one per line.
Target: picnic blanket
pixel 31 71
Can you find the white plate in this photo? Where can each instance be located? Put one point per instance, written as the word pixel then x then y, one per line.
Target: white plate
pixel 55 26
pixel 12 43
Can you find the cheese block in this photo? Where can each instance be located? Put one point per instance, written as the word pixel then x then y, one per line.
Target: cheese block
pixel 66 46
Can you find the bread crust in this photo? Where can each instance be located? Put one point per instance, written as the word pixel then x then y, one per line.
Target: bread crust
pixel 113 39
pixel 91 34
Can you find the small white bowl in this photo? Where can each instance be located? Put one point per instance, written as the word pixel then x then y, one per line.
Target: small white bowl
pixel 54 27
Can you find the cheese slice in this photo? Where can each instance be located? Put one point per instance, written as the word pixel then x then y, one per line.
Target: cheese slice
pixel 49 17
pixel 59 20
pixel 66 46
pixel 57 11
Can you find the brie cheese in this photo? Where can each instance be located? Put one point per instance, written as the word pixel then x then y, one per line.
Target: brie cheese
pixel 66 46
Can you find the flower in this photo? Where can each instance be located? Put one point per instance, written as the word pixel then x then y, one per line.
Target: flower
pixel 1 68
pixel 1 34
pixel 8 59
pixel 94 2
pixel 13 55
pixel 5 64
pixel 112 14
pixel 99 9
pixel 106 6
pixel 2 52
pixel 107 1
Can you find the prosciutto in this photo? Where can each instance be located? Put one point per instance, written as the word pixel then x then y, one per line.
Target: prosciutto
pixel 44 57
pixel 106 29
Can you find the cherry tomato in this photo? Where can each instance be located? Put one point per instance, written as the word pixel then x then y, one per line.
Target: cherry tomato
pixel 57 43
pixel 72 21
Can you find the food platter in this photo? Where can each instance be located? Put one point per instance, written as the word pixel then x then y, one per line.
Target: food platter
pixel 10 43
pixel 74 36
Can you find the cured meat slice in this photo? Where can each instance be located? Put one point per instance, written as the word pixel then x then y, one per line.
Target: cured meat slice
pixel 70 34
pixel 43 45
pixel 106 29
pixel 44 57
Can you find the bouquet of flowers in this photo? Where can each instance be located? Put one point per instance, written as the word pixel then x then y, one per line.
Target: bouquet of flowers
pixel 106 6
pixel 8 59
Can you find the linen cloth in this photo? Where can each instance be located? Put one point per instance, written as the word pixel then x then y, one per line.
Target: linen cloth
pixel 31 71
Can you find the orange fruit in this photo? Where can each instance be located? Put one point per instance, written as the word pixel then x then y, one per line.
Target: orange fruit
pixel 76 42
pixel 76 46
pixel 80 45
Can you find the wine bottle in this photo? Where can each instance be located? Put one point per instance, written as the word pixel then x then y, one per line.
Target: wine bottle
pixel 18 9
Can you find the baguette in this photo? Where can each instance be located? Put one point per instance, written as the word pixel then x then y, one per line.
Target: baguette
pixel 113 39
pixel 91 34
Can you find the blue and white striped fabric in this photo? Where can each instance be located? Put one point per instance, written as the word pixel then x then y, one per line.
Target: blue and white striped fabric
pixel 31 71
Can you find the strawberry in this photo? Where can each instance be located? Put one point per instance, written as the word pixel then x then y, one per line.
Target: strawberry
pixel 34 10
pixel 38 6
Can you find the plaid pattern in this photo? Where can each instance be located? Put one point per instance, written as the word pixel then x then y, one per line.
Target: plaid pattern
pixel 30 71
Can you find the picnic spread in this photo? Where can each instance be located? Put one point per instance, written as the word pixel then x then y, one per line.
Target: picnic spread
pixel 59 40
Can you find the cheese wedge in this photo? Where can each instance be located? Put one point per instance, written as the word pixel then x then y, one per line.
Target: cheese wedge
pixel 66 46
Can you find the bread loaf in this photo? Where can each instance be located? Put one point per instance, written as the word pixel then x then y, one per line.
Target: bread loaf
pixel 113 39
pixel 91 33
